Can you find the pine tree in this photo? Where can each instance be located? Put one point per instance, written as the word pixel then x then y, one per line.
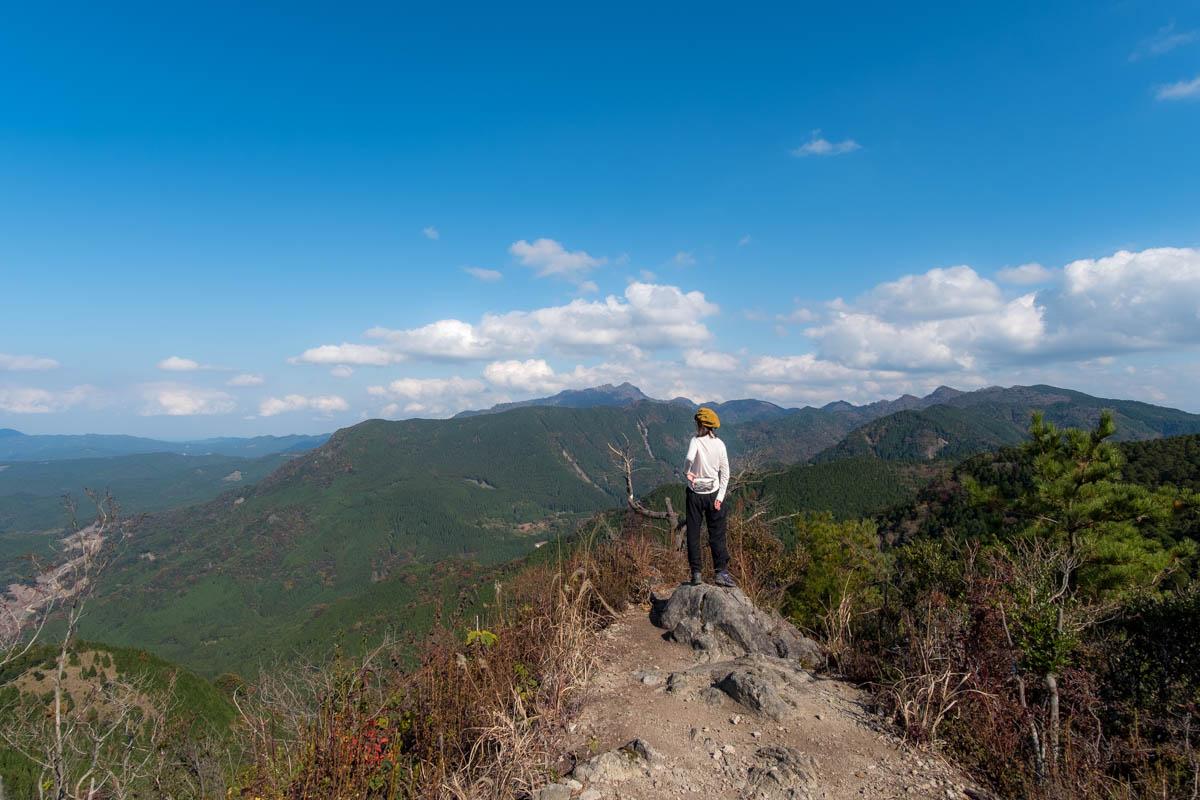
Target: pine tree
pixel 1080 553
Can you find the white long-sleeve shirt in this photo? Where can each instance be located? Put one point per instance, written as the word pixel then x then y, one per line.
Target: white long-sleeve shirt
pixel 708 461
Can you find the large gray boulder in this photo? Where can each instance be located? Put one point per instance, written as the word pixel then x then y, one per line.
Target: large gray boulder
pixel 722 623
pixel 770 686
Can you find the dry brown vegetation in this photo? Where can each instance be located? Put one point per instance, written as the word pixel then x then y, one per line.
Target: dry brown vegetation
pixel 483 715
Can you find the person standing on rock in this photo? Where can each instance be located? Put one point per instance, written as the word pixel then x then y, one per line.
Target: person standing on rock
pixel 707 469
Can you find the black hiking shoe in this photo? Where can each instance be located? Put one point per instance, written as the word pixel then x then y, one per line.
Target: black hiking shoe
pixel 697 579
pixel 725 579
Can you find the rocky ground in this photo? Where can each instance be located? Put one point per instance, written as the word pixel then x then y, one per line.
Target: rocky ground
pixel 718 703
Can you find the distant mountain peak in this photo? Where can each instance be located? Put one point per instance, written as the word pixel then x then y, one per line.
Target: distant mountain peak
pixel 944 393
pixel 9 432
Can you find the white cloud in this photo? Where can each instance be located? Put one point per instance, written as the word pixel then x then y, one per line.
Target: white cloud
pixel 427 388
pixel 536 376
pixel 745 240
pixel 647 276
pixel 549 257
pixel 322 404
pixel 246 379
pixel 818 145
pixel 866 341
pixel 797 315
pixel 1164 40
pixel 177 400
pixel 435 397
pixel 362 355
pixel 588 287
pixel 646 316
pixel 26 363
pixel 446 339
pixel 1025 275
pixel 683 259
pixel 177 364
pixel 29 400
pixel 954 326
pixel 1145 300
pixel 1180 90
pixel 711 360
pixel 341 371
pixel 937 294
pixel 486 275
pixel 430 232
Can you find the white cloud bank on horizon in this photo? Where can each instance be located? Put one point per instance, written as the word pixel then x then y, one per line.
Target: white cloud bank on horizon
pixel 946 325
pixel 1128 320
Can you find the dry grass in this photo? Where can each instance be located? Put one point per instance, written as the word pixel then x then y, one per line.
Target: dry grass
pixel 480 717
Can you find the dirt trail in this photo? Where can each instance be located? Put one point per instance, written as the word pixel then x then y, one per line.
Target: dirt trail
pixel 707 745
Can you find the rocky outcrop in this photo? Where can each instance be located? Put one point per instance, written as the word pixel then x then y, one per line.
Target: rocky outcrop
pixel 770 686
pixel 723 624
pixel 781 773
pixel 615 766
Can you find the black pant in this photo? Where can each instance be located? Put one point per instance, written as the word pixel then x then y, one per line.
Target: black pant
pixel 701 507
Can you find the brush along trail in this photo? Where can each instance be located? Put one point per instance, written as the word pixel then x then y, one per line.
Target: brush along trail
pixel 700 694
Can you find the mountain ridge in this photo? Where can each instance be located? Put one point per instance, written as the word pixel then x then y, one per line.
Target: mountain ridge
pixel 385 513
pixel 18 446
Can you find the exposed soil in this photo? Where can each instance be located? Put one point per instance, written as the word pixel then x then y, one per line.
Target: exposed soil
pixel 707 745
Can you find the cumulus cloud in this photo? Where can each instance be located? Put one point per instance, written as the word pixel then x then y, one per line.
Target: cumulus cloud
pixel 955 326
pixel 246 379
pixel 937 294
pixel 178 364
pixel 817 145
pixel 683 259
pixel 430 232
pixel 1128 301
pixel 646 316
pixel 710 360
pixel 486 275
pixel 549 257
pixel 1180 90
pixel 15 363
pixel 428 396
pixel 177 400
pixel 341 371
pixel 1025 275
pixel 322 404
pixel 29 400
pixel 536 376
pixel 444 340
pixel 362 355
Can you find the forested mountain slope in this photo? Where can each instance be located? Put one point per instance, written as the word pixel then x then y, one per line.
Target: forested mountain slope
pixel 389 519
pixel 973 422
pixel 31 491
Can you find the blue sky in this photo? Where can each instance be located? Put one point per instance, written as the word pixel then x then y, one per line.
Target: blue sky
pixel 221 220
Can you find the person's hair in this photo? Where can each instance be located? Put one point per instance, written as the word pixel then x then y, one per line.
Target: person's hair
pixel 704 430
